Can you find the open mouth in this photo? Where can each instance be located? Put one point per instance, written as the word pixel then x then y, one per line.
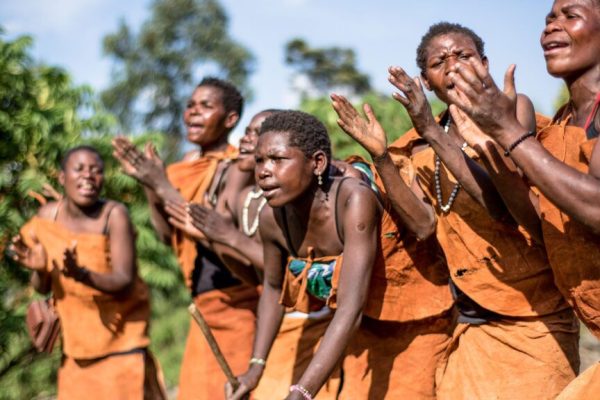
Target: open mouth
pixel 553 46
pixel 87 189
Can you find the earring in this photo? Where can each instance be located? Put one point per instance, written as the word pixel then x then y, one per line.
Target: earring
pixel 320 180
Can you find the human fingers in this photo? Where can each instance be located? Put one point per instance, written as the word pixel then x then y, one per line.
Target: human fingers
pixel 509 82
pixel 240 393
pixel 370 114
pixel 176 210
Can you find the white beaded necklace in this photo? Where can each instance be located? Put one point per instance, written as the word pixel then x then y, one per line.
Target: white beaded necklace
pixel 249 231
pixel 438 187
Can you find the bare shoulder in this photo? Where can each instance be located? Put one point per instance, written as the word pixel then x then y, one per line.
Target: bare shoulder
pixel 48 210
pixel 354 190
pixel 115 211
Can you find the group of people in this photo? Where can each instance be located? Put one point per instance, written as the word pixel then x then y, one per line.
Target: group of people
pixel 456 264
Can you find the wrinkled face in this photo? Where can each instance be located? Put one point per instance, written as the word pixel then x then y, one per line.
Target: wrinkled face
pixel 205 117
pixel 443 53
pixel 249 141
pixel 282 171
pixel 83 177
pixel 571 38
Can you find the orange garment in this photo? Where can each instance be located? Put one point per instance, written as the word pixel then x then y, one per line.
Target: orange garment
pixel 501 269
pixel 585 387
pixel 396 349
pixel 573 250
pixel 122 376
pixel 494 263
pixel 104 336
pixel 93 323
pixel 525 358
pixel 230 314
pixel 392 360
pixel 293 349
pixel 406 268
pixel 192 179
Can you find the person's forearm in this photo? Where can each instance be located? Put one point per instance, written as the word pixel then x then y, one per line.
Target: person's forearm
pixel 512 188
pixel 572 191
pixel 107 283
pixel 41 282
pixel 249 248
pixel 417 215
pixel 472 177
pixel 332 347
pixel 158 217
pixel 270 314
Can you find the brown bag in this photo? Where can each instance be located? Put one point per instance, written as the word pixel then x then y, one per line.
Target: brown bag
pixel 43 325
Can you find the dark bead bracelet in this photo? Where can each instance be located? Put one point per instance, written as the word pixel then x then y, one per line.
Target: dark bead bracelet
pixel 517 142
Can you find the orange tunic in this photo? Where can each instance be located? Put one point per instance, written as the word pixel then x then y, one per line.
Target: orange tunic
pixel 502 270
pixel 573 251
pixel 395 351
pixel 104 336
pixel 229 312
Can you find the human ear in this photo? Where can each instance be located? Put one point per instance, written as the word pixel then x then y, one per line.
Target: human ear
pixel 425 81
pixel 321 164
pixel 61 178
pixel 231 119
pixel 486 63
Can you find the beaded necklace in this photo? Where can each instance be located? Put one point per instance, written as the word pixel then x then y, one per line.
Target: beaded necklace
pixel 438 187
pixel 251 230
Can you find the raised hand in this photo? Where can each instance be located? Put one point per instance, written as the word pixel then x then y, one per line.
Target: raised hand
pixel 50 192
pixel 478 96
pixel 366 131
pixel 180 218
pixel 212 224
pixel 31 257
pixel 147 168
pixel 412 98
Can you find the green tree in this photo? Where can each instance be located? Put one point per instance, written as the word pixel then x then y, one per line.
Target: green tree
pixel 156 70
pixel 40 118
pixel 326 68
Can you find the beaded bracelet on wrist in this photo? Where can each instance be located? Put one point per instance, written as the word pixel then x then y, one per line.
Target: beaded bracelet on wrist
pixel 517 142
pixel 302 390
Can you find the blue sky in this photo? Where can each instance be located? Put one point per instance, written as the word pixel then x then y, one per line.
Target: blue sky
pixel 68 33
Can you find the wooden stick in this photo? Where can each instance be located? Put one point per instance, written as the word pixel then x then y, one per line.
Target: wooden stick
pixel 214 346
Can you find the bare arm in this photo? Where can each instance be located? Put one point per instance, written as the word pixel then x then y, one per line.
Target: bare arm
pixel 122 257
pixel 472 177
pixel 360 216
pixel 270 312
pixel 575 193
pixel 409 202
pixel 148 169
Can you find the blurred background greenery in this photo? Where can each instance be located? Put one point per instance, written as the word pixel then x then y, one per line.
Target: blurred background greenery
pixel 42 113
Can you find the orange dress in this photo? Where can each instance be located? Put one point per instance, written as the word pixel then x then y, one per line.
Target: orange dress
pixel 573 251
pixel 230 312
pixel 530 339
pixel 104 336
pixel 395 351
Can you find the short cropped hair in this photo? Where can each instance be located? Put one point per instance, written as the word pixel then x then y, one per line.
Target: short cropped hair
pixel 232 98
pixel 76 149
pixel 305 131
pixel 444 28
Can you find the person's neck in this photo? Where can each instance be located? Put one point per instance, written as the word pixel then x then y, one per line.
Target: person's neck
pixel 74 211
pixel 582 94
pixel 220 145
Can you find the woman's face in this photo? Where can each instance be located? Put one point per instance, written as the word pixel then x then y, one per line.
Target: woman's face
pixel 205 117
pixel 571 38
pixel 443 53
pixel 249 141
pixel 282 171
pixel 83 177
